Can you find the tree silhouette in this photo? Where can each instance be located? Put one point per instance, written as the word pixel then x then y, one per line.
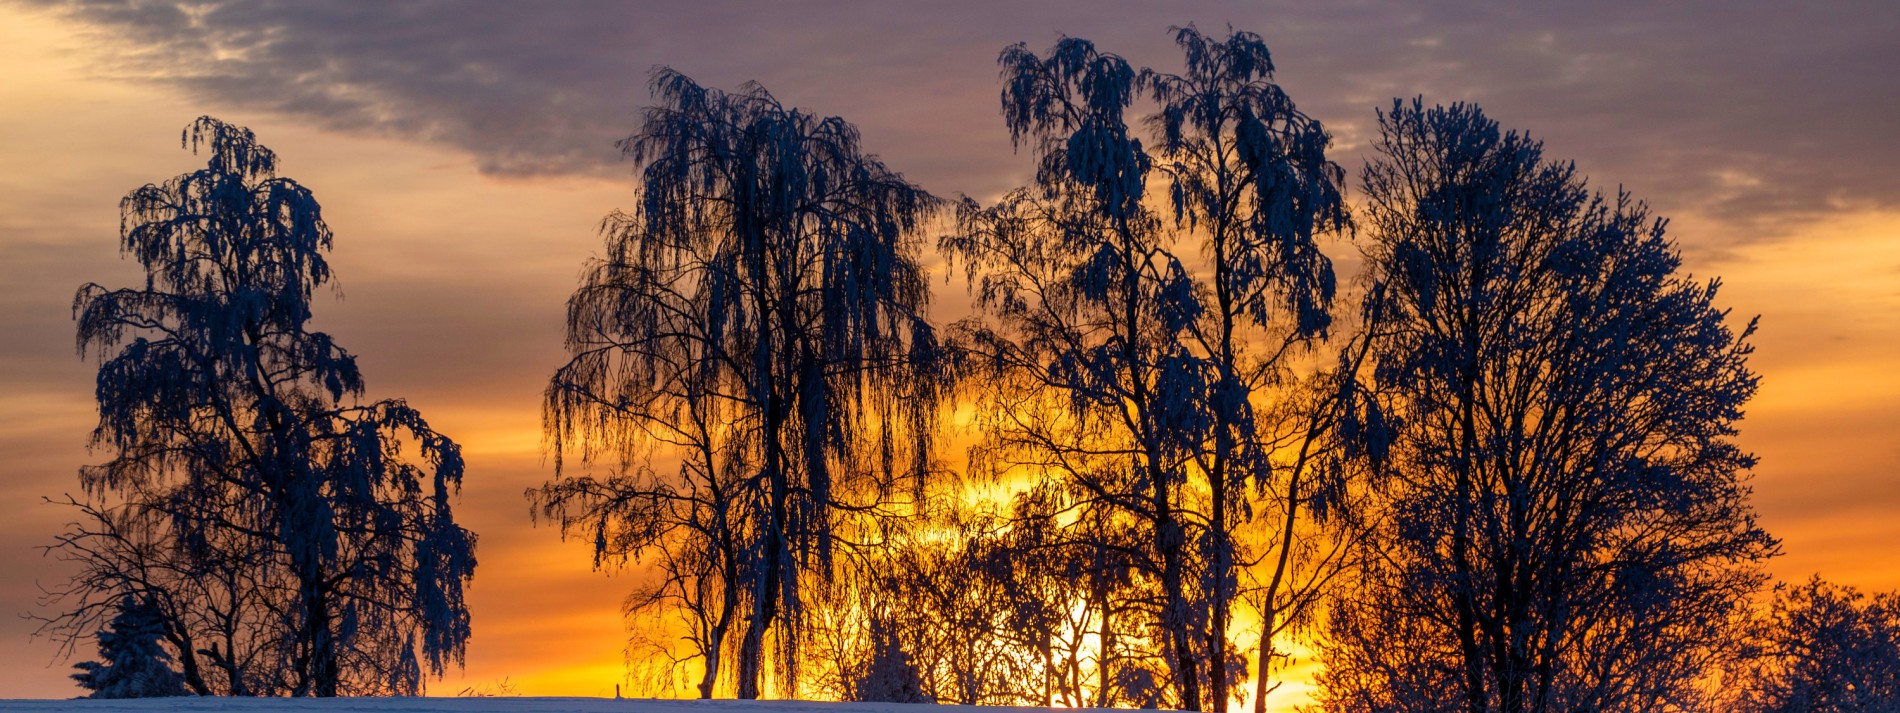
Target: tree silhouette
pixel 993 607
pixel 1085 372
pixel 1160 385
pixel 135 663
pixel 759 315
pixel 1566 519
pixel 1820 648
pixel 253 489
pixel 1248 175
pixel 888 675
pixel 924 594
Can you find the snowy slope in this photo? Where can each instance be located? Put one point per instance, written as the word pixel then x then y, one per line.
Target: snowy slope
pixel 476 705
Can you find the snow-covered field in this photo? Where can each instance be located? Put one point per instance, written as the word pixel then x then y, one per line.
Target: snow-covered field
pixel 477 705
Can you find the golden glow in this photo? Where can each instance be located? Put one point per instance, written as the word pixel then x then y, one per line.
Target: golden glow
pixel 1826 419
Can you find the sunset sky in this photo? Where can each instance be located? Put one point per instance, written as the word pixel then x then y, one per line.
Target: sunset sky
pixel 463 154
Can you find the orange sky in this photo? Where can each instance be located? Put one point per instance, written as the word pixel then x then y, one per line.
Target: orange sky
pixel 455 273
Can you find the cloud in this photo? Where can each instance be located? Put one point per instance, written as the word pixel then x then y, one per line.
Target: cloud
pixel 1755 113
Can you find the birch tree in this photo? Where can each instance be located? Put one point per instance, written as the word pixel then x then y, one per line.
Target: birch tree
pixel 250 491
pixel 1249 181
pixel 759 320
pixel 1087 376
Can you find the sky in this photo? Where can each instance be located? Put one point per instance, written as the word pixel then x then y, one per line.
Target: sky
pixel 464 155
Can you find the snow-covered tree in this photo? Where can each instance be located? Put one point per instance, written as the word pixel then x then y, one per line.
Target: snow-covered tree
pixel 1147 359
pixel 301 537
pixel 758 319
pixel 1820 648
pixel 888 676
pixel 1566 518
pixel 133 660
pixel 1249 180
pixel 1086 376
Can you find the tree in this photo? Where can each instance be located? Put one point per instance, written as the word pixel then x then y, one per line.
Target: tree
pixel 1067 574
pixel 134 662
pixel 760 317
pixel 1821 648
pixel 249 487
pixel 1160 385
pixel 1248 174
pixel 924 594
pixel 889 675
pixel 1566 523
pixel 1086 374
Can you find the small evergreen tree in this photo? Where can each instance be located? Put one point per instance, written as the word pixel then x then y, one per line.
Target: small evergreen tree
pixel 135 664
pixel 889 677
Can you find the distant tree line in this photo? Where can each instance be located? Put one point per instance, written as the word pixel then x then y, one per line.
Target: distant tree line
pixel 1494 472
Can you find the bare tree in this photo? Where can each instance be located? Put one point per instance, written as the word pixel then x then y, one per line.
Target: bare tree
pixel 1566 522
pixel 218 611
pixel 760 316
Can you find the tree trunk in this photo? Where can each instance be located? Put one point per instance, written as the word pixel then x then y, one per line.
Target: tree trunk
pixel 1171 541
pixel 716 642
pixel 1463 595
pixel 750 649
pixel 1217 631
pixel 317 635
pixel 764 606
pixel 187 658
pixel 711 677
pixel 1225 444
pixel 1103 671
pixel 1260 687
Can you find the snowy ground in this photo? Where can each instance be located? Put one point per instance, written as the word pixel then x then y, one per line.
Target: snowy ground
pixel 477 705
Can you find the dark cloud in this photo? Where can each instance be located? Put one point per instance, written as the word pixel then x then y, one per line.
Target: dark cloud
pixel 1755 112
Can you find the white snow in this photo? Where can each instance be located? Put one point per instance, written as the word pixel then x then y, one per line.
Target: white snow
pixel 213 704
